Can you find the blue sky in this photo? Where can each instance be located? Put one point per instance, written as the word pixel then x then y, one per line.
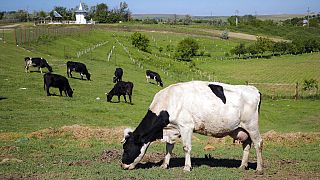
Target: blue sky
pixel 191 7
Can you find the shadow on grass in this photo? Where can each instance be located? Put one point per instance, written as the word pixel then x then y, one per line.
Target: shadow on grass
pixel 196 162
pixel 2 98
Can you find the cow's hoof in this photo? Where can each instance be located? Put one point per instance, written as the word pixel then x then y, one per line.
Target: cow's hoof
pixel 243 167
pixel 187 168
pixel 259 172
pixel 164 166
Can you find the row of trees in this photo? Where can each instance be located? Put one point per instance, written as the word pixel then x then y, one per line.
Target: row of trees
pixel 100 13
pixel 265 45
pixel 185 50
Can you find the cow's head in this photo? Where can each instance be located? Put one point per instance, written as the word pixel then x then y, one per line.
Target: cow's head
pixel 161 84
pixel 70 92
pixel 49 68
pixel 136 143
pixel 88 75
pixel 109 97
pixel 133 150
pixel 114 79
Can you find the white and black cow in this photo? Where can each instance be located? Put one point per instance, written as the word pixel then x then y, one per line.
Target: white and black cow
pixel 155 76
pixel 117 75
pixel 209 108
pixel 36 62
pixel 57 81
pixel 77 67
pixel 121 89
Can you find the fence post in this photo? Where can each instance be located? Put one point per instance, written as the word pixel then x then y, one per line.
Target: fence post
pixel 296 96
pixel 15 36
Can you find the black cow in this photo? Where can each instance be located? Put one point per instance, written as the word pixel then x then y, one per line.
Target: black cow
pixel 57 81
pixel 36 62
pixel 121 88
pixel 77 67
pixel 155 76
pixel 117 75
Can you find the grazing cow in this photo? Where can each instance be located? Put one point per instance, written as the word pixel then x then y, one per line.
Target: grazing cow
pixel 117 75
pixel 77 67
pixel 121 88
pixel 155 76
pixel 209 108
pixel 57 81
pixel 36 62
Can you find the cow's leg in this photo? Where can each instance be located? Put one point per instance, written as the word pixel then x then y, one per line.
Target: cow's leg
pixel 81 76
pixel 246 148
pixel 60 90
pixel 125 99
pixel 169 148
pixel 130 98
pixel 47 89
pixel 119 98
pixel 186 137
pixel 26 68
pixel 258 143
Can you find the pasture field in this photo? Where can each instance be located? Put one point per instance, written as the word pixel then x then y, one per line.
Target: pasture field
pixel 62 138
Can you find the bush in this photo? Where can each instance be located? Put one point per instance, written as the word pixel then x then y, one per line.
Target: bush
pixel 140 41
pixel 186 49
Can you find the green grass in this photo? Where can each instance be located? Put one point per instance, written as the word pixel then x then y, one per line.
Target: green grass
pixel 23 111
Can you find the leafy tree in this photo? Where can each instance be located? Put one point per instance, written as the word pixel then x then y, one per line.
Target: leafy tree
pixel 101 13
pixel 187 20
pixel 280 47
pixel 252 49
pixel 239 50
pixel 140 41
pixel 309 85
pixel 263 44
pixel 186 49
pixel 225 34
pixel 1 15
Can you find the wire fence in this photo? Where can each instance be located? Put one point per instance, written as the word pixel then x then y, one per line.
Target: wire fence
pixel 286 91
pixel 25 36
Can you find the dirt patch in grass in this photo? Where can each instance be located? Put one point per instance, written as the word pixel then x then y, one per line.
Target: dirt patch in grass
pixel 273 136
pixel 9 136
pixel 116 135
pixel 111 155
pixel 81 132
pixel 283 175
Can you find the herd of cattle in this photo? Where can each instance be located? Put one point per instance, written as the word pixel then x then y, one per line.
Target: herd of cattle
pixel 121 88
pixel 208 108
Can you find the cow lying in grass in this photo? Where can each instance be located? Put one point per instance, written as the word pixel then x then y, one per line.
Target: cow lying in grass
pixel 121 89
pixel 208 108
pixel 36 62
pixel 57 81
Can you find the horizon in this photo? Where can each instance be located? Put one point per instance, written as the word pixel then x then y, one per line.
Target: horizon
pixel 179 7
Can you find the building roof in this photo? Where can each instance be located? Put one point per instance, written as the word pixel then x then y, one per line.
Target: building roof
pixel 81 10
pixel 56 14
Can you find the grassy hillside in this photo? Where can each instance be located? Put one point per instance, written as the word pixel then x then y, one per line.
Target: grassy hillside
pixel 60 137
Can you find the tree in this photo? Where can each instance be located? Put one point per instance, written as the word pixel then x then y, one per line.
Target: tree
pixel 187 20
pixel 263 44
pixel 101 13
pixel 225 34
pixel 1 15
pixel 186 49
pixel 239 50
pixel 140 41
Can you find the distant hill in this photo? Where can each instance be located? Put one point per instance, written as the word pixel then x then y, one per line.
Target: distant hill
pixel 275 17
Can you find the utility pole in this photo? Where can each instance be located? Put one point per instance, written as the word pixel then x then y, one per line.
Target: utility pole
pixel 308 15
pixel 237 12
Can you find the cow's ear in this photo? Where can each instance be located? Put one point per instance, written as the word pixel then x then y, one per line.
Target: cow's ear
pixel 126 133
pixel 156 131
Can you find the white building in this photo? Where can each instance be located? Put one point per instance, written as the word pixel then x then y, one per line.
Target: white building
pixel 80 15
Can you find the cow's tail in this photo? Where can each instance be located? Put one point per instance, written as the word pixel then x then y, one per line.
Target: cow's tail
pixel 259 103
